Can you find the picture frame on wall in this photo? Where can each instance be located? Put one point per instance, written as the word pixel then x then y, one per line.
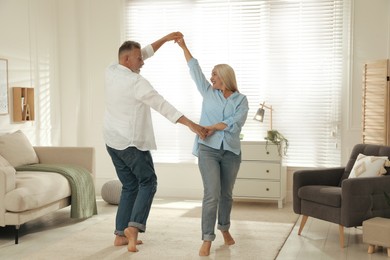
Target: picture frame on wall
pixel 3 86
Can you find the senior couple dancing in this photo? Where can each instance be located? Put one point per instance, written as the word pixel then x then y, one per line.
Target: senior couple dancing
pixel 129 137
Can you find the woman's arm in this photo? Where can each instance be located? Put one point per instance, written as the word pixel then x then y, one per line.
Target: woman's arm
pixel 238 118
pixel 217 127
pixel 235 122
pixel 187 53
pixel 195 71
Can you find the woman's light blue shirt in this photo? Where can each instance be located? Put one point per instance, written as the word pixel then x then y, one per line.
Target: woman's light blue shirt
pixel 231 111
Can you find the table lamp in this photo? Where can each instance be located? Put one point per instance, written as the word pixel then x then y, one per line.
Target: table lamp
pixel 260 113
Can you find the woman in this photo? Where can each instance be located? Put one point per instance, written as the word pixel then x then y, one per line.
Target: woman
pixel 224 111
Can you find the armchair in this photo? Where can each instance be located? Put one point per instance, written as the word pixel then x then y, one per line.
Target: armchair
pixel 329 195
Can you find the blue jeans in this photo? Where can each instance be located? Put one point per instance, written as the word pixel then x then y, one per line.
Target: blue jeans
pixel 219 170
pixel 135 170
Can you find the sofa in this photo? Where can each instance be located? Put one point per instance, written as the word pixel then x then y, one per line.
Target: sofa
pixel 27 193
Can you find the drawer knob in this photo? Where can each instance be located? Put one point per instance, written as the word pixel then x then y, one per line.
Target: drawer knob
pixel 267 171
pixel 267 189
pixel 267 152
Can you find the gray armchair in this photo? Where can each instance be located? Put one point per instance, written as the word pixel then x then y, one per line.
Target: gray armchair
pixel 329 195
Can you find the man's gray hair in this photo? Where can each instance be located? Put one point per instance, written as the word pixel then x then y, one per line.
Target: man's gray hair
pixel 128 46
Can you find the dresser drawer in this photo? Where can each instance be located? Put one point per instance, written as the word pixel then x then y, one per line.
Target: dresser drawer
pixel 260 151
pixel 256 188
pixel 262 175
pixel 259 170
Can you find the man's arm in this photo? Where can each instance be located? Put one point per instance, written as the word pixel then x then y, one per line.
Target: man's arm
pixel 169 37
pixel 197 129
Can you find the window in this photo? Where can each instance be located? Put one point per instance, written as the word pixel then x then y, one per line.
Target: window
pixel 287 53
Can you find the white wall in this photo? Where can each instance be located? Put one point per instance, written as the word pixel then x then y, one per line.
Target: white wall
pixel 370 41
pixel 98 37
pixel 28 32
pixel 79 38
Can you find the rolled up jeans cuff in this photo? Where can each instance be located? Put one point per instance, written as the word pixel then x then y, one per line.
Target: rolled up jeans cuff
pixel 141 227
pixel 223 227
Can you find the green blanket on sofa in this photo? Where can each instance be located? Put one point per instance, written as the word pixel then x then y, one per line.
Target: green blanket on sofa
pixel 83 199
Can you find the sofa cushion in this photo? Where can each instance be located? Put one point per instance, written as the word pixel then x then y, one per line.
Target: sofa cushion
pixel 8 173
pixel 4 162
pixel 326 195
pixel 17 149
pixel 36 189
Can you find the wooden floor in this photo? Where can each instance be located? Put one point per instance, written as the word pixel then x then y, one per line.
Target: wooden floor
pixel 320 240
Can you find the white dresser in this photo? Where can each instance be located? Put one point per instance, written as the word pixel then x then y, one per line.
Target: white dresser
pixel 262 175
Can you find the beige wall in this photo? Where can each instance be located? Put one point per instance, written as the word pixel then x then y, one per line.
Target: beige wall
pixel 77 39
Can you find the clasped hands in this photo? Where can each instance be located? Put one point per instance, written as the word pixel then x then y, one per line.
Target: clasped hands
pixel 202 131
pixel 177 37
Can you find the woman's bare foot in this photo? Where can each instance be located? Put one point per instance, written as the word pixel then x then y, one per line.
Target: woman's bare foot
pixel 228 238
pixel 122 241
pixel 205 248
pixel 131 234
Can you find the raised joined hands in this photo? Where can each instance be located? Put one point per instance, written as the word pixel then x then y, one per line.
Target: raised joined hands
pixel 174 36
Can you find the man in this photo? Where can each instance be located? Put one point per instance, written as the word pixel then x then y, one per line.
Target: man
pixel 129 137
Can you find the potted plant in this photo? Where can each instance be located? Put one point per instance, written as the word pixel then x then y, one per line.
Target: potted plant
pixel 277 138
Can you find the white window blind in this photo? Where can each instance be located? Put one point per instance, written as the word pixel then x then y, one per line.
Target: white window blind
pixel 287 53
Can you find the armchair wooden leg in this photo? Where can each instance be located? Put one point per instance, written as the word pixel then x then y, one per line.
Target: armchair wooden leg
pixel 303 222
pixel 341 231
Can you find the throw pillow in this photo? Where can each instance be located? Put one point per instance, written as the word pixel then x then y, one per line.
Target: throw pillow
pixel 369 166
pixel 17 149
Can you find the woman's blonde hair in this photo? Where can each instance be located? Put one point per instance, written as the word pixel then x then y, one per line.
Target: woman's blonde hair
pixel 227 76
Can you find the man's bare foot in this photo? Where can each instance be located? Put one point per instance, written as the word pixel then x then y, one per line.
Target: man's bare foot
pixel 205 248
pixel 228 238
pixel 122 241
pixel 131 234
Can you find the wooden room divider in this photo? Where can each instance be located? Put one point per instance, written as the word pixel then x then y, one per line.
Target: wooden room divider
pixel 376 103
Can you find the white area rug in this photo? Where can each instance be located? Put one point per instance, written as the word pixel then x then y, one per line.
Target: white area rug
pixel 173 232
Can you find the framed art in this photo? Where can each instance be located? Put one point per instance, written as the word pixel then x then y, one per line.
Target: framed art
pixel 3 86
